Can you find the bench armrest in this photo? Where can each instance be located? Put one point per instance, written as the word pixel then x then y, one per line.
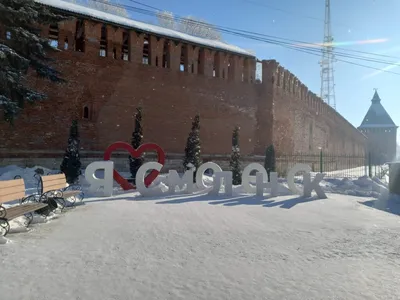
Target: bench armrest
pixel 30 198
pixel 3 211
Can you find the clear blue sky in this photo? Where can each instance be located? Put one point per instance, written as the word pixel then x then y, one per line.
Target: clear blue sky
pixel 352 20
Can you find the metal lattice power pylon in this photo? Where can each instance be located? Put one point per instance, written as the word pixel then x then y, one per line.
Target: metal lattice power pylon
pixel 327 78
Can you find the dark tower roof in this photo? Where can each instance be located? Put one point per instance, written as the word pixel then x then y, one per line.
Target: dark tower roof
pixel 377 116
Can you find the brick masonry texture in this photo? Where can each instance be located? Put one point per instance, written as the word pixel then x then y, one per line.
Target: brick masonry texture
pixel 279 110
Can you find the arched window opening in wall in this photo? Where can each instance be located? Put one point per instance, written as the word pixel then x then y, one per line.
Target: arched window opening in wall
pixel 165 62
pixel 310 137
pixel 156 61
pixel 86 115
pixel 103 41
pixel 192 68
pixel 114 53
pixel 146 50
pixel 53 35
pixel 182 66
pixel 66 44
pixel 223 73
pixel 80 36
pixel 125 46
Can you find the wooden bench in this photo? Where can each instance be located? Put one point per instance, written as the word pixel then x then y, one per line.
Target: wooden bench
pixel 56 187
pixel 12 190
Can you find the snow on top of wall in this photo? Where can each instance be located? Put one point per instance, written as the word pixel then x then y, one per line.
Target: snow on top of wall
pixel 90 12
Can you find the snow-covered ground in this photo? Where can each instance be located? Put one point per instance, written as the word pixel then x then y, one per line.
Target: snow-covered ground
pixel 202 247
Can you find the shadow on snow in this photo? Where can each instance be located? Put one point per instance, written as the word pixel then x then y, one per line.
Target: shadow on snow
pixel 222 200
pixel 389 205
pixel 241 200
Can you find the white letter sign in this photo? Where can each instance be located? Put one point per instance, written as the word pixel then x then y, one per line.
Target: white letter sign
pixel 261 180
pixel 290 177
pixel 95 182
pixel 261 183
pixel 221 178
pixel 174 180
pixel 246 176
pixel 314 185
pixel 140 186
pixel 227 178
pixel 200 172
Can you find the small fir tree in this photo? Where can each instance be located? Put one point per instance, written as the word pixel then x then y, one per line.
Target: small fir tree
pixel 235 164
pixel 193 147
pixel 71 164
pixel 270 162
pixel 136 141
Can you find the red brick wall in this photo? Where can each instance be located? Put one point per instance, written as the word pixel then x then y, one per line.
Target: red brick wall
pixel 113 89
pixel 303 122
pixel 280 110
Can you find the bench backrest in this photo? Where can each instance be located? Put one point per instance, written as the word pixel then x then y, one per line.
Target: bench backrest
pixel 53 182
pixel 11 190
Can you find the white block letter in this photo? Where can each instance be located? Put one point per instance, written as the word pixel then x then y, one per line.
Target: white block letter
pixel 246 176
pixel 227 178
pixel 140 186
pixel 200 172
pixel 174 180
pixel 314 185
pixel 95 182
pixel 261 183
pixel 290 177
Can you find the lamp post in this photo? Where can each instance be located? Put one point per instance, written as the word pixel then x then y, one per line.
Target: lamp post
pixel 320 159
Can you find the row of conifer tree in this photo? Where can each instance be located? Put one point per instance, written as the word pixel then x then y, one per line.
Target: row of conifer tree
pixel 71 164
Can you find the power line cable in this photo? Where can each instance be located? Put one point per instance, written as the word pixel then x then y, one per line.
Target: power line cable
pixel 296 47
pixel 145 5
pixel 293 13
pixel 283 10
pixel 254 33
pixel 260 34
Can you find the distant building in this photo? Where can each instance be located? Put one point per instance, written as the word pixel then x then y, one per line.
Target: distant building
pixel 381 131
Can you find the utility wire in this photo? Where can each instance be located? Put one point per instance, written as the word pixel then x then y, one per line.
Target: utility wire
pixel 254 33
pixel 259 37
pixel 293 13
pixel 283 10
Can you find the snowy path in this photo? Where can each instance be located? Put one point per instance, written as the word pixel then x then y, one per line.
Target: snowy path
pixel 203 249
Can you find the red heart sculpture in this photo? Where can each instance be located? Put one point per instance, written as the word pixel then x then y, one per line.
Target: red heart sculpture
pixel 135 153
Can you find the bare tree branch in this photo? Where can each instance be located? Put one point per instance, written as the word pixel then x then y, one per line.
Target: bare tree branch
pixel 190 25
pixel 166 19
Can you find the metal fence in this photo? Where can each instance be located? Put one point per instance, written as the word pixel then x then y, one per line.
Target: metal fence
pixel 333 165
